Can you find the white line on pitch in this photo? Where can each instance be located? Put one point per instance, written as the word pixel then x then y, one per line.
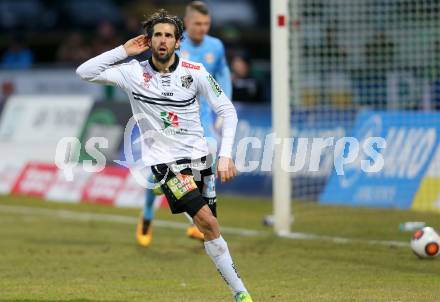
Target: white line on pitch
pixel 87 216
pixel 343 240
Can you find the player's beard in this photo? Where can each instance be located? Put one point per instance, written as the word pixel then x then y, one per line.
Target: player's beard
pixel 162 58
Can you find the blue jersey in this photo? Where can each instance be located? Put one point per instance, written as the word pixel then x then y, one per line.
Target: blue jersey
pixel 211 53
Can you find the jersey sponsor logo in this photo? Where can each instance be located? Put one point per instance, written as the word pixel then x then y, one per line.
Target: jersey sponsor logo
pixel 189 65
pixel 181 185
pixel 167 93
pixel 170 119
pixel 171 124
pixel 214 86
pixel 187 81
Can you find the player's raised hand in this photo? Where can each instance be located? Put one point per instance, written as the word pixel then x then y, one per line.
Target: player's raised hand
pixel 226 169
pixel 136 45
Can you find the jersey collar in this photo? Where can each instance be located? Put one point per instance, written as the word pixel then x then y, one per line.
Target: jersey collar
pixel 172 67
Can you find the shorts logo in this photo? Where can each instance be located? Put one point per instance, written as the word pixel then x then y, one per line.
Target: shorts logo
pixel 181 184
pixel 214 86
pixel 169 119
pixel 209 187
pixel 187 81
pixel 189 65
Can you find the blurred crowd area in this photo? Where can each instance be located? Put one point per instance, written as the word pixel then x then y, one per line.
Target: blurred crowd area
pixel 366 53
pixel 57 34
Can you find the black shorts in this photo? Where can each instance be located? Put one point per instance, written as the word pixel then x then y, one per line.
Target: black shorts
pixel 188 185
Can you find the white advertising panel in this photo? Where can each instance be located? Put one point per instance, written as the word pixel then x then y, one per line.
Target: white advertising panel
pixel 31 126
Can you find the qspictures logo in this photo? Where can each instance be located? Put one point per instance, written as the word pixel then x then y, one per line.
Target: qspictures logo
pixel 169 119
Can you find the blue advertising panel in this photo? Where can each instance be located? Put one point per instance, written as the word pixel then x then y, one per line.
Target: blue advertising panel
pixel 411 140
pixel 256 122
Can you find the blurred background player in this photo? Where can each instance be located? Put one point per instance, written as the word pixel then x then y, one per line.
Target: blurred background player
pixel 200 47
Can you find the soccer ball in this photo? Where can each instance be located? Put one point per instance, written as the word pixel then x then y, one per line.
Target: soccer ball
pixel 425 243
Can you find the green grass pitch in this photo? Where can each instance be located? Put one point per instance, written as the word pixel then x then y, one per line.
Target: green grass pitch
pixel 57 252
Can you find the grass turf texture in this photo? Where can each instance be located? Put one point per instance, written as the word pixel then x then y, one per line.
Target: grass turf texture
pixel 47 258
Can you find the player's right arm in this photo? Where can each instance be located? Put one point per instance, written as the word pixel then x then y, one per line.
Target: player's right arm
pixel 101 69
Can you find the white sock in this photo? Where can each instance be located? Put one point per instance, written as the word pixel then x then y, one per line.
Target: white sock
pixel 217 249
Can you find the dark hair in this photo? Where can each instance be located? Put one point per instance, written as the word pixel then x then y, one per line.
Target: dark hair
pixel 162 16
pixel 198 6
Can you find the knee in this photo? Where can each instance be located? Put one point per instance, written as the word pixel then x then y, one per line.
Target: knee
pixel 209 223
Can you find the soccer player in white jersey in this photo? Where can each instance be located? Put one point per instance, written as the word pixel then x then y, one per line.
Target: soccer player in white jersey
pixel 163 93
pixel 199 47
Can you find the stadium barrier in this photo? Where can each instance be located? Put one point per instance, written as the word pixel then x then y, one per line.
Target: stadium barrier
pixel 30 128
pixel 49 82
pixel 428 196
pixel 412 143
pixel 108 120
pixel 255 121
pixel 112 186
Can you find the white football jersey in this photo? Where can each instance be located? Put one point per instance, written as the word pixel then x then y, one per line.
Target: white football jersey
pixel 166 105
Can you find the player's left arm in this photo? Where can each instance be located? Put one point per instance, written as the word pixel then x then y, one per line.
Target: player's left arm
pixel 222 105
